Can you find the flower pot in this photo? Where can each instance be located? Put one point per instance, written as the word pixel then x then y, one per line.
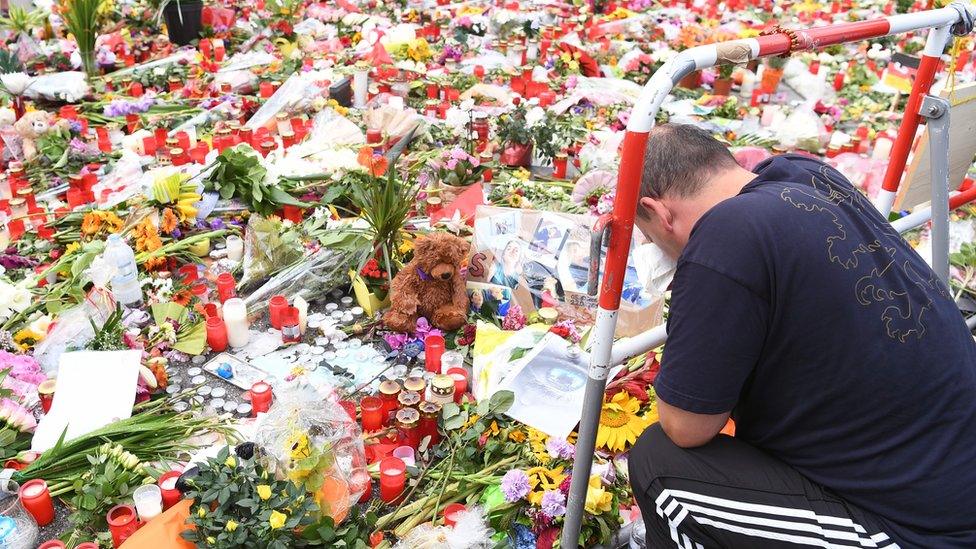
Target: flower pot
pixel 183 20
pixel 517 154
pixel 722 86
pixel 691 81
pixel 770 79
pixel 367 300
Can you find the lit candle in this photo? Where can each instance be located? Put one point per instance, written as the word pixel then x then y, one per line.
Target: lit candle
pixel 167 487
pixel 433 351
pixel 235 248
pixel 372 413
pixel 451 513
pixel 36 498
pixel 235 317
pixel 121 523
pixel 261 397
pixel 393 478
pixel 149 501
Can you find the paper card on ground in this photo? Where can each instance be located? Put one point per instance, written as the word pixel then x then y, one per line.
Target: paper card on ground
pixel 94 388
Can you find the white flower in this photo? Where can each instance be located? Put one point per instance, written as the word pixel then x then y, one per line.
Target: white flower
pixel 535 116
pixel 40 324
pixel 20 299
pixel 467 105
pixel 16 82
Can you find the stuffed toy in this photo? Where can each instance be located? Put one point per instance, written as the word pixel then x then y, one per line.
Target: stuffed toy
pixel 430 286
pixel 31 126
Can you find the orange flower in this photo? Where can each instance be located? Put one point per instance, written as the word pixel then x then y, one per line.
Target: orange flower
pixel 113 222
pixel 374 163
pixel 169 221
pixel 91 223
pixel 182 297
pixel 147 238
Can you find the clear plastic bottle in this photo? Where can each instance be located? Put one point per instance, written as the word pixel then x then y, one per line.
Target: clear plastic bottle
pixel 125 283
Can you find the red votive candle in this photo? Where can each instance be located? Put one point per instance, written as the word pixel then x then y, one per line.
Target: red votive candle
pixel 46 393
pixel 52 544
pixel 433 349
pixel 149 146
pixel 393 478
pixel 87 545
pixel 225 287
pixel 372 410
pixel 210 310
pixel 198 154
pixel 460 376
pixel 161 135
pixel 121 523
pixel 266 90
pixel 216 333
pixel 291 330
pixel 189 273
pixel 261 397
pixel 350 408
pixel 200 292
pixel 559 166
pixel 36 498
pixel 277 305
pixel 183 139
pixel 450 514
pixel 167 486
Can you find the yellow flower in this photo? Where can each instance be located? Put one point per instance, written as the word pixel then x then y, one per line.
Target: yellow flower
pixel 231 525
pixel 620 424
pixel 201 512
pixel 230 461
pixel 264 491
pixel 277 520
pixel 517 436
pixel 72 247
pixel 598 500
pixel 211 540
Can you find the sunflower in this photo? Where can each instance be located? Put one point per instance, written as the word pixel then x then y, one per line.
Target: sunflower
pixel 91 223
pixel 620 424
pixel 113 223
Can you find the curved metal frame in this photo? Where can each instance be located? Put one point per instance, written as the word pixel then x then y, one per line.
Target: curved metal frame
pixel 957 18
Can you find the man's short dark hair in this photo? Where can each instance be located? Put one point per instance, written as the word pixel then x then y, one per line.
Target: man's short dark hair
pixel 680 159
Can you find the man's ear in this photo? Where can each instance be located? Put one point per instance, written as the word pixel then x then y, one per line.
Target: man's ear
pixel 658 210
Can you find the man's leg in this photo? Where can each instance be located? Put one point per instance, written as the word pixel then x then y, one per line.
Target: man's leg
pixel 728 494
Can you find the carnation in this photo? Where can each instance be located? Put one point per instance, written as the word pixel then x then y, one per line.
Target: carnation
pixel 553 504
pixel 515 485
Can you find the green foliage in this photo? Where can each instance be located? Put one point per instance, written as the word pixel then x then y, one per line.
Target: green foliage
pixel 228 509
pixel 107 483
pixel 965 258
pixel 81 19
pixel 776 62
pixel 353 532
pixel 725 71
pixel 109 336
pixel 512 127
pixel 9 62
pixel 239 174
pixel 19 20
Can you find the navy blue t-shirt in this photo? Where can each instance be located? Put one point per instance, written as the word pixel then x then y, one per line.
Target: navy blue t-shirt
pixel 799 308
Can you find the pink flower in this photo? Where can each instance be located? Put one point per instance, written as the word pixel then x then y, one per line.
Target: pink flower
pixel 16 416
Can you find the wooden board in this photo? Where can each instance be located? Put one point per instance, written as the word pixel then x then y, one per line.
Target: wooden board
pixel 916 187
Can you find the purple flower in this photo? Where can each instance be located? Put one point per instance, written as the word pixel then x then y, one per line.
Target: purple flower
pixel 396 341
pixel 553 504
pixel 177 233
pixel 560 448
pixel 424 329
pixel 515 485
pixel 22 367
pixel 514 319
pixel 217 224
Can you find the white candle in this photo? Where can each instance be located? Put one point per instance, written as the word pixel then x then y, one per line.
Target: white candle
pixel 235 248
pixel 748 84
pixel 149 501
pixel 882 148
pixel 235 318
pixel 302 307
pixel 532 52
pixel 360 85
pixel 169 483
pixel 515 56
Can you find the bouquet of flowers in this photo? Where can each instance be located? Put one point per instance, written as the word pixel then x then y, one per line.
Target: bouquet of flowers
pixel 456 168
pixel 639 68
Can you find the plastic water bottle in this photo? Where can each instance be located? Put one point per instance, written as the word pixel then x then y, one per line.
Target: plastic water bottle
pixel 125 283
pixel 638 535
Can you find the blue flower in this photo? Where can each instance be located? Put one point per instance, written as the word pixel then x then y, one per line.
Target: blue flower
pixel 521 537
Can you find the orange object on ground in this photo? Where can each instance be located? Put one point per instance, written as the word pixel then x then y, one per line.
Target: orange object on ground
pixel 729 428
pixel 163 532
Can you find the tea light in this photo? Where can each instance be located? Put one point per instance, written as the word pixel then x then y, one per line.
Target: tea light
pixel 235 248
pixel 149 501
pixel 393 478
pixel 121 523
pixel 36 498
pixel 235 317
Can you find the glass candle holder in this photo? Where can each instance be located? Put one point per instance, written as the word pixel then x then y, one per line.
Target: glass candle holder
pixel 434 346
pixel 429 412
pixel 167 488
pixel 277 306
pixel 226 287
pixel 216 333
pixel 372 413
pixel 25 532
pixel 408 428
pixel 149 501
pixel 36 498
pixel 460 377
pixel 393 478
pixel 451 359
pixel 261 397
pixel 407 454
pixel 235 317
pixel 451 512
pixel 122 523
pixel 389 394
pixel 45 391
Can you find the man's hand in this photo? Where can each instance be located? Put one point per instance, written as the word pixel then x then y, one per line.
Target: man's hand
pixel 689 430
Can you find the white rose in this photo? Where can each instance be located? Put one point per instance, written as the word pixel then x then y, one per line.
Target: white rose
pixel 16 82
pixel 21 299
pixel 535 116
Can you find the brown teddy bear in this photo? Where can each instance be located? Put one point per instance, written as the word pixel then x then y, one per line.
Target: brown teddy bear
pixel 430 286
pixel 31 126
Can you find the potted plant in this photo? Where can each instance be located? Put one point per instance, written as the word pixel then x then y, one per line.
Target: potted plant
pixel 723 83
pixel 515 137
pixel 385 203
pixel 455 169
pixel 183 19
pixel 772 74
